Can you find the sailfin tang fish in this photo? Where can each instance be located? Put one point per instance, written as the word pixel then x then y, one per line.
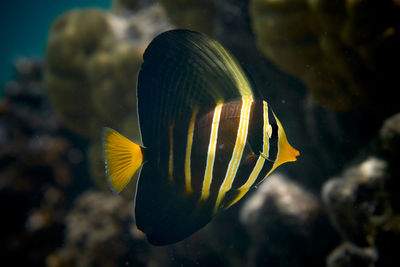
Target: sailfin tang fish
pixel 207 137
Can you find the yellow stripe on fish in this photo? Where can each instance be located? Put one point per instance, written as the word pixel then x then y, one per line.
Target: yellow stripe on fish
pixel 237 150
pixel 260 161
pixel 189 143
pixel 211 153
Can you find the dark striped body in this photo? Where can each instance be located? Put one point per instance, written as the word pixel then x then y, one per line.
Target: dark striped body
pixel 203 164
pixel 207 137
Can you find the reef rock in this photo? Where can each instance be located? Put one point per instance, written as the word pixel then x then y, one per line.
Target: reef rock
pixel 389 137
pixel 40 169
pixel 191 14
pixel 390 134
pixel 102 226
pixel 363 205
pixel 125 6
pixel 92 60
pixel 279 216
pixel 357 201
pixel 348 255
pixel 342 50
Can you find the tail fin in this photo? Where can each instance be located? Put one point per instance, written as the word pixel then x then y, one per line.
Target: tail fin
pixel 122 158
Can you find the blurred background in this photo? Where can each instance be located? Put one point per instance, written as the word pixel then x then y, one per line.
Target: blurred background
pixel 22 39
pixel 328 68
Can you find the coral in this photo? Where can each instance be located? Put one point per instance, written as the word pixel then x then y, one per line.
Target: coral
pixel 363 205
pixel 40 169
pixel 92 60
pixel 125 5
pixel 341 50
pixel 357 201
pixel 101 225
pixel 191 14
pixel 349 255
pixel 73 39
pixel 281 210
pixel 390 134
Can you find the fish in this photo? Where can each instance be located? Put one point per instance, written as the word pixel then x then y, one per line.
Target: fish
pixel 206 137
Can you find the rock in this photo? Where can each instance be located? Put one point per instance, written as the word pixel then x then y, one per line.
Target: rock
pixel 390 144
pixel 125 6
pixel 95 55
pixel 341 50
pixel 191 14
pixel 357 202
pixel 40 168
pixel 387 235
pixel 363 205
pixel 349 255
pixel 102 226
pixel 390 134
pixel 279 216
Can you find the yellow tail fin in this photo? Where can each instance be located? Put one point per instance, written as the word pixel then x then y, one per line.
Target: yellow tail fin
pixel 122 157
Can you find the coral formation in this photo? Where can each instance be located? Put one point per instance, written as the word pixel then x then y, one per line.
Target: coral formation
pixel 341 50
pixel 73 39
pixel 92 60
pixel 357 201
pixel 125 5
pixel 102 226
pixel 363 205
pixel 390 135
pixel 293 214
pixel 349 255
pixel 191 14
pixel 40 169
pixel 99 224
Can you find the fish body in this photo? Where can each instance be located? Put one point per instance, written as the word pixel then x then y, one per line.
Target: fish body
pixel 207 137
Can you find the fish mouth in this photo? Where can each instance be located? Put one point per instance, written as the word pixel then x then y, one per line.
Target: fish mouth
pixel 292 154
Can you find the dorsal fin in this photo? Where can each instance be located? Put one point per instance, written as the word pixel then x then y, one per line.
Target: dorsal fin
pixel 182 71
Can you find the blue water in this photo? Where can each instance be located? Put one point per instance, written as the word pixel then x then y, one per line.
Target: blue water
pixel 24 27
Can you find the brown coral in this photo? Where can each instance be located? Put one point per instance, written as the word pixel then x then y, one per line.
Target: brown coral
pixel 39 166
pixel 342 50
pixel 92 60
pixel 191 14
pixel 99 224
pixel 74 39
